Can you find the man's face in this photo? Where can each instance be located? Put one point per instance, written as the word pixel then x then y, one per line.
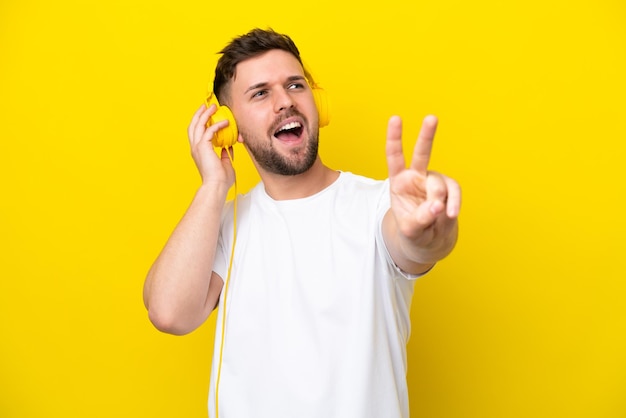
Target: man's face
pixel 275 112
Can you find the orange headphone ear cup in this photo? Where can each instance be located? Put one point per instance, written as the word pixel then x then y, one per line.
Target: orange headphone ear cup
pixel 322 104
pixel 225 137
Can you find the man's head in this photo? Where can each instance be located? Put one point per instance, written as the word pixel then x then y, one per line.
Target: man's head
pixel 250 45
pixel 260 77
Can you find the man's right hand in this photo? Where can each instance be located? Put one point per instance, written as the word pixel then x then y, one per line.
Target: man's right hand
pixel 212 169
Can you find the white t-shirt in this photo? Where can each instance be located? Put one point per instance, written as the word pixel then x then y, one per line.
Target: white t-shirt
pixel 317 313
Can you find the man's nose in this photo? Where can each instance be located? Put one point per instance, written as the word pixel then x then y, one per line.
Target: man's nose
pixel 282 101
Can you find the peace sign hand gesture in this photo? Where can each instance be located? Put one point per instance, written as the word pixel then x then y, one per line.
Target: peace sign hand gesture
pixel 421 226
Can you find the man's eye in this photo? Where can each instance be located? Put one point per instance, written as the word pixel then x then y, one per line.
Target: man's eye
pixel 295 86
pixel 259 93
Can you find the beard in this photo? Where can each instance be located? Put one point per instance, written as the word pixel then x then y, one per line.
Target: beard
pixel 296 162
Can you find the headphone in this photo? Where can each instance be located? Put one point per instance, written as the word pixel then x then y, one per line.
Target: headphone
pixel 227 137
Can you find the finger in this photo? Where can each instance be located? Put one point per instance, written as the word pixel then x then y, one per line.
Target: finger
pixel 194 121
pixel 393 147
pixel 426 214
pixel 424 144
pixel 198 124
pixel 436 188
pixel 453 205
pixel 209 133
pixel 201 124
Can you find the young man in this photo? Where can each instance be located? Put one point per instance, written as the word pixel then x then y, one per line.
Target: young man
pixel 318 302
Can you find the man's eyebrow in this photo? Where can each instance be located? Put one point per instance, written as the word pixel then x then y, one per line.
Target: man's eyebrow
pixel 255 86
pixel 295 78
pixel 265 83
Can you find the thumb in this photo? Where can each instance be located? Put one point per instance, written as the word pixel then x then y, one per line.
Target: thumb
pixel 426 214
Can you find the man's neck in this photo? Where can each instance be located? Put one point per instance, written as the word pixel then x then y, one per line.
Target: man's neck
pixel 312 181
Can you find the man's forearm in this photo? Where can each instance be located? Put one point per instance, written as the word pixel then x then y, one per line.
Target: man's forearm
pixel 177 287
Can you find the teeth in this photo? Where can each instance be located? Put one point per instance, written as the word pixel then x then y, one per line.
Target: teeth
pixel 292 125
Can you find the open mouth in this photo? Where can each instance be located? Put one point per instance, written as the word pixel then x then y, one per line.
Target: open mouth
pixel 291 131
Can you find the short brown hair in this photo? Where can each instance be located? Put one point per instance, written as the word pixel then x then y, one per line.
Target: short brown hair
pixel 241 48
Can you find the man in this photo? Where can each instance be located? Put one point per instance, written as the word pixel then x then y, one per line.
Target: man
pixel 318 300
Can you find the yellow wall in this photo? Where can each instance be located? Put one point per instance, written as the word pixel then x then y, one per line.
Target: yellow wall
pixel 526 319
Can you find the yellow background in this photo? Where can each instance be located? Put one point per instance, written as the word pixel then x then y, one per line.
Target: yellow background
pixel 527 318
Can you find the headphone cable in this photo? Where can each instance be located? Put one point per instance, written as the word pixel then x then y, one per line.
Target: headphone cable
pixel 225 292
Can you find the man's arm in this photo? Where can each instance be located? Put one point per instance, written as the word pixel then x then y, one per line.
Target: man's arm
pixel 181 288
pixel 421 226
